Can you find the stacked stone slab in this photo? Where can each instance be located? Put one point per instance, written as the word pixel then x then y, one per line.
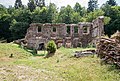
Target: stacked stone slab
pixel 85 33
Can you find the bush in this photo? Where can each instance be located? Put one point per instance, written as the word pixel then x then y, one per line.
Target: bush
pixel 51 47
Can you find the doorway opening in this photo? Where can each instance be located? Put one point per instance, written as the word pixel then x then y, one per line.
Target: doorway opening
pixel 41 46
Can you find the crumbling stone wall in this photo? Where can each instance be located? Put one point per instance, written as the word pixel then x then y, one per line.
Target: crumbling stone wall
pixel 97 29
pixel 67 35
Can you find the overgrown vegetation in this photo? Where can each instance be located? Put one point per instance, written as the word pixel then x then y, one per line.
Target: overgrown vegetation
pixel 61 67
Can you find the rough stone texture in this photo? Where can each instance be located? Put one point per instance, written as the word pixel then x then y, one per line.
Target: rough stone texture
pixel 87 33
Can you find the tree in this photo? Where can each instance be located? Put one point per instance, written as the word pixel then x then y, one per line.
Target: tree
pixel 5 20
pixel 77 8
pixel 39 15
pixel 93 15
pixel 113 26
pixel 18 4
pixel 76 18
pixel 106 8
pixel 40 3
pixel 37 12
pixel 11 10
pixel 61 14
pixel 113 12
pixel 66 15
pixel 21 15
pixel 112 2
pixel 3 10
pixel 52 13
pixel 21 18
pixel 84 12
pixel 92 5
pixel 69 14
pixel 31 5
pixel 18 29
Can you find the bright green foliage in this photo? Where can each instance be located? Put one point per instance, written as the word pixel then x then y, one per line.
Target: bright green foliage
pixel 76 18
pixel 94 15
pixel 106 20
pixel 66 15
pixel 39 15
pixel 52 13
pixel 22 15
pixel 51 47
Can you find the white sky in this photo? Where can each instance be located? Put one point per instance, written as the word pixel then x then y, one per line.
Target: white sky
pixel 59 3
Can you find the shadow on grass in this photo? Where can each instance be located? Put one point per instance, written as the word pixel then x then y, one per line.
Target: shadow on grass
pixel 32 51
pixel 114 68
pixel 39 54
pixel 111 67
pixel 36 53
pixel 49 55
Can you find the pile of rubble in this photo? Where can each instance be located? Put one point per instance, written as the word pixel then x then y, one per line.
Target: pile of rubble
pixel 78 54
pixel 108 49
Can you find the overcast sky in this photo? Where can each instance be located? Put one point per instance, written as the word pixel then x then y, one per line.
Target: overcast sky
pixel 59 3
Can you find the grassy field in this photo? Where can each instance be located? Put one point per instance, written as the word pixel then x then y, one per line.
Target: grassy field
pixel 61 67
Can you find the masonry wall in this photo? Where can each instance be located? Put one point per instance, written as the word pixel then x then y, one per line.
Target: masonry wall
pixel 67 35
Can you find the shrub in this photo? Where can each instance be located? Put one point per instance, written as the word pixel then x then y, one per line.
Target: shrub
pixel 51 47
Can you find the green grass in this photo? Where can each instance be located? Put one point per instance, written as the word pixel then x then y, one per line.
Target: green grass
pixel 60 67
pixel 6 49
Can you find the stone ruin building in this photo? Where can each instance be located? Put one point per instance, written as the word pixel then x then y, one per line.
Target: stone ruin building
pixel 67 35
